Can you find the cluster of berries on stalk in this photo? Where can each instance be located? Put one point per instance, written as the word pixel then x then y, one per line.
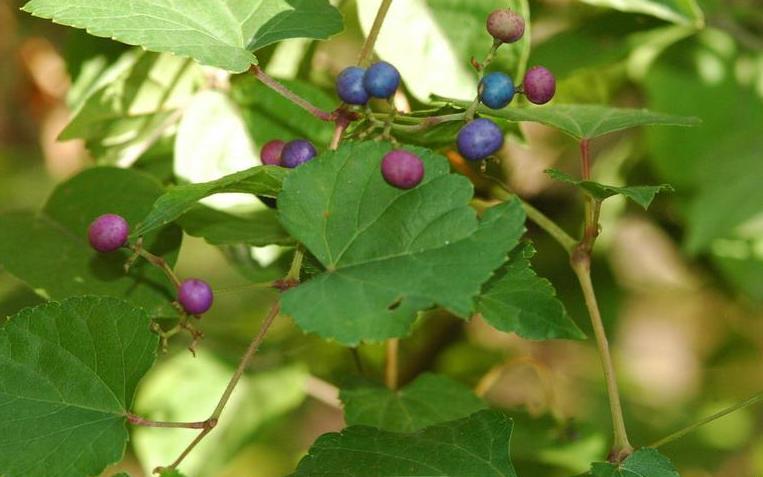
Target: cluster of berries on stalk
pixel 109 233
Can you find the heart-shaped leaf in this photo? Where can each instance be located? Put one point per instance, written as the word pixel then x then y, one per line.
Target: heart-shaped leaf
pixel 68 373
pixel 221 33
pixel 476 446
pixel 388 253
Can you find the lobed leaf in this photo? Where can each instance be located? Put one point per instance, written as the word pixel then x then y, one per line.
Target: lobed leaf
pixel 68 373
pixel 642 195
pixel 388 253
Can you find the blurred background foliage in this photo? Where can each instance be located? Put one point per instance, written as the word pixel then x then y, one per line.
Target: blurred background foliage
pixel 681 287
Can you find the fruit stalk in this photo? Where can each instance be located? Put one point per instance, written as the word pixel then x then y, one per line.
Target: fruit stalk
pixel 288 94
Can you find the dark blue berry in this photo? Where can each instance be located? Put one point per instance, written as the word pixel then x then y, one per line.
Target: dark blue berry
pixel 496 90
pixel 479 139
pixel 297 152
pixel 108 232
pixel 195 296
pixel 349 86
pixel 402 169
pixel 381 80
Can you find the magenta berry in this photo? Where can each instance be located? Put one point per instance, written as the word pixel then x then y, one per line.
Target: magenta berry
pixel 108 232
pixel 539 85
pixel 297 152
pixel 402 169
pixel 479 139
pixel 270 154
pixel 195 296
pixel 506 25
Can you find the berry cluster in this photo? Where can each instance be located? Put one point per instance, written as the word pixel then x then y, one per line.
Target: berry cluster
pixel 109 233
pixel 356 85
pixel 287 154
pixel 482 138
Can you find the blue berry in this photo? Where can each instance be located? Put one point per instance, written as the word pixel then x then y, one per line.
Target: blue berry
pixel 108 232
pixel 297 152
pixel 349 86
pixel 496 90
pixel 195 296
pixel 402 169
pixel 381 80
pixel 479 139
pixel 539 85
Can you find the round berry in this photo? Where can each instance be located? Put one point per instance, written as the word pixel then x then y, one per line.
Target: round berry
pixel 195 296
pixel 108 232
pixel 297 152
pixel 270 154
pixel 349 85
pixel 506 25
pixel 479 139
pixel 381 80
pixel 402 169
pixel 496 90
pixel 539 85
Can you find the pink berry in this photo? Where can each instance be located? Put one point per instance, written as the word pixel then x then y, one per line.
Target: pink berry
pixel 539 85
pixel 506 25
pixel 270 155
pixel 402 169
pixel 195 296
pixel 108 232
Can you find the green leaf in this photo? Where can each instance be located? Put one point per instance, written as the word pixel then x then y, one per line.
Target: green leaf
pixel 260 180
pixel 50 252
pixel 68 373
pixel 269 115
pixel 120 114
pixel 682 12
pixel 643 463
pixel 430 399
pixel 642 195
pixel 218 33
pixel 389 253
pixel 476 446
pixel 171 473
pixel 455 32
pixel 219 228
pixel 585 121
pixel 517 300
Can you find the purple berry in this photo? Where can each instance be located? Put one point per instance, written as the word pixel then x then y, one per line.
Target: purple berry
pixel 297 152
pixel 270 154
pixel 506 25
pixel 402 169
pixel 349 85
pixel 479 139
pixel 195 296
pixel 539 85
pixel 381 80
pixel 108 232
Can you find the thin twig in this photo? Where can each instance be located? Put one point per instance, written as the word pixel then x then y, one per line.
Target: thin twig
pixel 140 421
pixel 368 47
pixel 291 96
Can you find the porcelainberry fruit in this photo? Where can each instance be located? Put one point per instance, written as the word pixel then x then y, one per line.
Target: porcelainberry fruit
pixel 506 25
pixel 270 154
pixel 496 90
pixel 539 85
pixel 349 86
pixel 297 152
pixel 381 80
pixel 108 232
pixel 195 296
pixel 402 169
pixel 479 139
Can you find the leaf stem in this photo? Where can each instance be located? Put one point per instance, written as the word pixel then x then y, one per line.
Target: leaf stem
pixel 290 95
pixel 368 46
pixel 140 421
pixel 154 260
pixel 391 368
pixel 707 420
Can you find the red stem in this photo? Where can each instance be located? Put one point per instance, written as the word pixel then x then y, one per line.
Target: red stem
pixel 291 96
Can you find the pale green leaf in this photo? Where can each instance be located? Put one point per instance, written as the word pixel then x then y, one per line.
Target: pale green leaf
pixel 476 446
pixel 221 33
pixel 430 399
pixel 642 195
pixel 643 463
pixel 388 253
pixel 517 300
pixel 256 229
pixel 49 251
pixel 682 12
pixel 68 373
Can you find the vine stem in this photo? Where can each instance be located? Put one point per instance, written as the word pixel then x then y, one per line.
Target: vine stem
pixel 155 260
pixel 279 88
pixel 368 46
pixel 391 367
pixel 140 421
pixel 682 432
